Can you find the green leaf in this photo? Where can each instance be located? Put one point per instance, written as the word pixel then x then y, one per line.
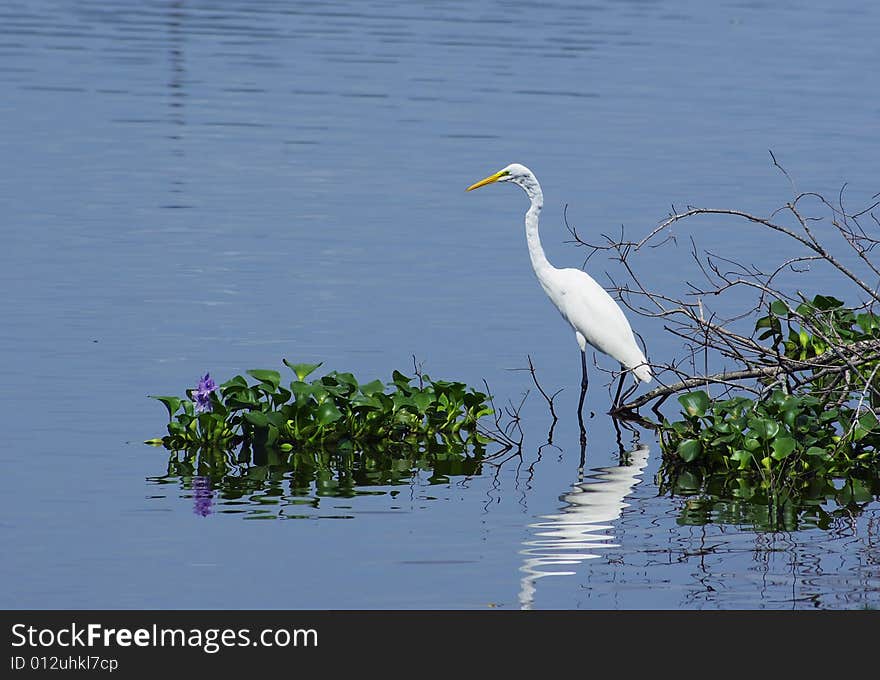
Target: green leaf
pixel 256 418
pixel 818 452
pixel 789 417
pixel 689 450
pixel 328 413
pixel 867 322
pixel 804 338
pixel 826 302
pixel 777 399
pixel 423 399
pixel 281 396
pixel 779 308
pixel 275 418
pixel 302 370
pixel 176 428
pixel 764 428
pixel 830 415
pixel 300 389
pixel 319 391
pixel 242 401
pixel 695 403
pixel 868 421
pixel 783 447
pixel 400 379
pixel 402 401
pixel 171 403
pixel 764 322
pixel 742 457
pixel 346 379
pixel 273 378
pixel 372 387
pixel 818 345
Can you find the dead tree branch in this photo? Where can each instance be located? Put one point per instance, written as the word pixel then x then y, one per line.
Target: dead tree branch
pixel 716 315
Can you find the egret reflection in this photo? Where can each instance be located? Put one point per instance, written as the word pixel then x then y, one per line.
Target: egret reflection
pixel 584 527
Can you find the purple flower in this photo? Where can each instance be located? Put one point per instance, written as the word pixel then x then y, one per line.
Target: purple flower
pixel 202 395
pixel 203 495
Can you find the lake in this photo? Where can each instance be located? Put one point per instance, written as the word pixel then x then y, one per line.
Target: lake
pixel 215 186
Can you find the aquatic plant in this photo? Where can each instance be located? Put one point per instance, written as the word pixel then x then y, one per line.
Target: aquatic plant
pixel 334 412
pixel 328 436
pixel 813 422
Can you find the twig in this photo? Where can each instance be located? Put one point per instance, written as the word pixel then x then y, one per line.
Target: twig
pixel 548 399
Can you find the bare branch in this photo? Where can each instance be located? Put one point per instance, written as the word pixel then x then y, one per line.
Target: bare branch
pixel 710 314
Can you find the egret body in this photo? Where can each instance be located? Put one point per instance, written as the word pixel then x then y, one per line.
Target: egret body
pixel 597 320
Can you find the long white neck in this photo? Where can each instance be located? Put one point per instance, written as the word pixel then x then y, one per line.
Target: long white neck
pixel 536 252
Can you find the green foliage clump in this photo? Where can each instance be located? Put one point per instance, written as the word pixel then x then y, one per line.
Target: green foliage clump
pixel 333 412
pixel 800 433
pixel 815 421
pixel 814 325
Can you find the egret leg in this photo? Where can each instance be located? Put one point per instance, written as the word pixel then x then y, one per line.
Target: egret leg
pixel 616 403
pixel 629 392
pixel 584 384
pixel 584 381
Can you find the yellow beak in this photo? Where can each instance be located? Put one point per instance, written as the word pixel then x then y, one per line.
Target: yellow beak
pixel 488 180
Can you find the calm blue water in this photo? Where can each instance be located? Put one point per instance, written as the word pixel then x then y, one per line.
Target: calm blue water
pixel 212 186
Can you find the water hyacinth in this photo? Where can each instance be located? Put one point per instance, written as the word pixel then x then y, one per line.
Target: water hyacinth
pixel 331 411
pixel 202 394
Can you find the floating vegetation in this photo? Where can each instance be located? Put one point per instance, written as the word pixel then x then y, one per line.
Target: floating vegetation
pixel 806 449
pixel 331 431
pixel 818 422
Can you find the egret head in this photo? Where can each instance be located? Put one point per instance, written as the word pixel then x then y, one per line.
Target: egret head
pixel 516 173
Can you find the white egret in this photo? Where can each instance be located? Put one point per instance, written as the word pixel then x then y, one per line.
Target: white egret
pixel 597 320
